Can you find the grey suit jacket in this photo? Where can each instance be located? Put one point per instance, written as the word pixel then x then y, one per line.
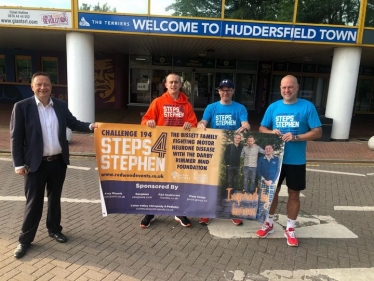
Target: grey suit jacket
pixel 26 132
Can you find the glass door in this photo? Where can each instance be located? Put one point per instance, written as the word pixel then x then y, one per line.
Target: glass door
pixel 203 90
pixel 198 87
pixel 306 90
pixel 187 84
pixel 245 90
pixel 158 82
pixel 364 95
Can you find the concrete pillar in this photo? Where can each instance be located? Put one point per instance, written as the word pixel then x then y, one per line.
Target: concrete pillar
pixel 80 68
pixel 342 89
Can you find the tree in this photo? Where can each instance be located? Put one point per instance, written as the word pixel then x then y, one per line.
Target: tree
pixel 196 8
pixel 280 10
pixel 340 12
pixel 97 8
pixel 369 20
pixel 267 10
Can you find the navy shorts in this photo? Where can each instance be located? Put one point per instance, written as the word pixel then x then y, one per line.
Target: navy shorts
pixel 295 176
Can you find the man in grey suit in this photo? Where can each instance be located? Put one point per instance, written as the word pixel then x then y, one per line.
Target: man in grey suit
pixel 40 153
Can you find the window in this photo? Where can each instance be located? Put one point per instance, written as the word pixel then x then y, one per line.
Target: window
pixel 50 66
pixel 23 69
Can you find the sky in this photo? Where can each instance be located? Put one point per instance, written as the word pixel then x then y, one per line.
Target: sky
pixel 123 6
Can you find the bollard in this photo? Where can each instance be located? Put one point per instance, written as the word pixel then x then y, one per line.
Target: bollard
pixel 371 143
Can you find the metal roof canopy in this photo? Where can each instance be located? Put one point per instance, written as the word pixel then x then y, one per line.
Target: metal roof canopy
pixel 253 50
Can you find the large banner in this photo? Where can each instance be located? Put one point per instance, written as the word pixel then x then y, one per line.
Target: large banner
pixel 198 173
pixel 33 18
pixel 217 28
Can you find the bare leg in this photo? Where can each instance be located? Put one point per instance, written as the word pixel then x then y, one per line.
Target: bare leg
pixel 293 204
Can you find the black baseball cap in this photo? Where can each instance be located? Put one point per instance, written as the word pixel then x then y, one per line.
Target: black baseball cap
pixel 226 83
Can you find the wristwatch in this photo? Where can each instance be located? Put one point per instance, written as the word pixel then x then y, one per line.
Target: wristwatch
pixel 296 137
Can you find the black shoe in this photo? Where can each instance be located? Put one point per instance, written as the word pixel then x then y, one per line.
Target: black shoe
pixel 147 220
pixel 184 221
pixel 58 236
pixel 21 250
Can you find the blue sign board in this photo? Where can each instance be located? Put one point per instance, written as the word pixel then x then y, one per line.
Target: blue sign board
pixel 217 28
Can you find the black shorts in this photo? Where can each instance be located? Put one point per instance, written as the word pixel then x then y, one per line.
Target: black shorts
pixel 295 176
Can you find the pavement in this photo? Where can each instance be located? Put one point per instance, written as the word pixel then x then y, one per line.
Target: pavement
pixel 335 225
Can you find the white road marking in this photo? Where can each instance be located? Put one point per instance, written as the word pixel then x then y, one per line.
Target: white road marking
pixel 353 208
pixel 347 274
pixel 370 174
pixel 79 168
pixel 69 166
pixel 336 172
pixel 307 227
pixel 68 200
pixel 5 159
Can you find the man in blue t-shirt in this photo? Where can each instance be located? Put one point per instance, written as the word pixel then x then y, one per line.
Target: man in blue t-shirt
pixel 225 114
pixel 296 121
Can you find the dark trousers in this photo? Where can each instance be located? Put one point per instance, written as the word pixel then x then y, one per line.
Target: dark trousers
pixel 50 175
pixel 249 173
pixel 232 174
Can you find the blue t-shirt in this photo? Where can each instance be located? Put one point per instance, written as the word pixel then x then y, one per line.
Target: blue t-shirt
pixel 226 117
pixel 297 118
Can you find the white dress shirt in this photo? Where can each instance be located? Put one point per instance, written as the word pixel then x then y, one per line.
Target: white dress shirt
pixel 50 128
